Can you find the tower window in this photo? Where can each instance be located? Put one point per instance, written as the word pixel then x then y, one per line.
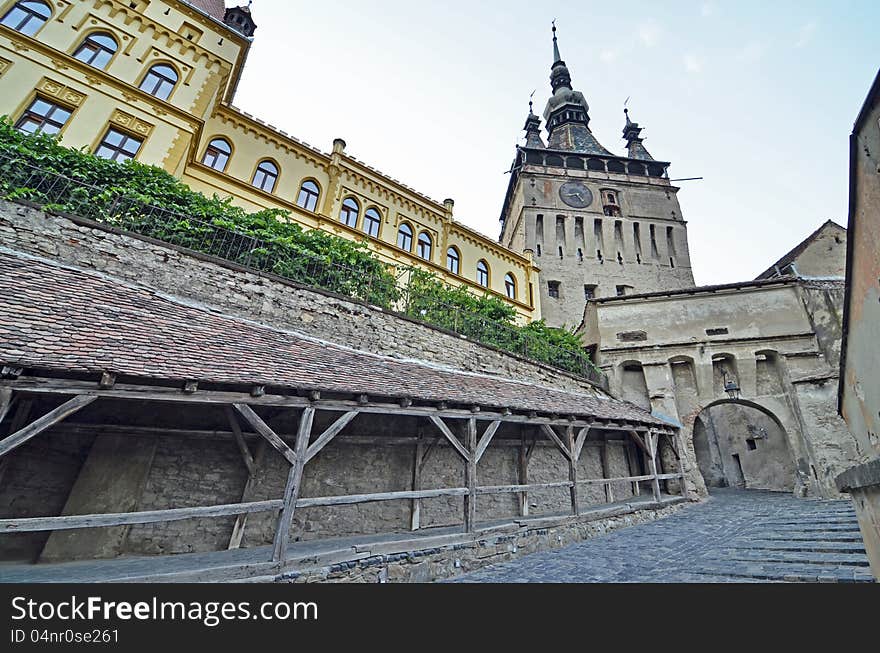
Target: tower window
pixel 483 273
pixel 97 50
pixel 553 289
pixel 405 237
pixel 43 116
pixel 538 249
pixel 217 154
pixel 308 195
pixel 160 81
pixel 622 291
pixel 580 255
pixel 118 146
pixel 453 261
pixel 266 176
pixel 27 16
pixel 510 285
pixel 425 246
pixel 590 291
pixel 349 213
pixel 372 220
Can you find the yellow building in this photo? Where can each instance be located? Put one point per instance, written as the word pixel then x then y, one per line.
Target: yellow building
pixel 154 81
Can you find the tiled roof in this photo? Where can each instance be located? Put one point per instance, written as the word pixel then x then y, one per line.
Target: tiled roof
pixel 58 318
pixel 214 8
pixel 799 249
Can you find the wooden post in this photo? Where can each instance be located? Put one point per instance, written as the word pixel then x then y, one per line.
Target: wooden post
pixel 651 439
pixel 678 441
pixel 470 501
pixel 606 470
pixel 573 469
pixel 294 484
pixel 523 477
pixel 634 469
pixel 416 505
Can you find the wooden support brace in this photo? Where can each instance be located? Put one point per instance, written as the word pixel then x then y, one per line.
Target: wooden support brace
pixel 39 425
pixel 440 424
pixel 488 434
pixel 606 472
pixel 263 429
pixel 572 470
pixel 638 440
pixel 581 440
pixel 416 505
pixel 523 475
pixel 293 486
pixel 5 402
pixel 324 439
pixel 550 433
pixel 652 464
pixel 239 440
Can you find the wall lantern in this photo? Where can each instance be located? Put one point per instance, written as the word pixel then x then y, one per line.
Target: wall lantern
pixel 730 386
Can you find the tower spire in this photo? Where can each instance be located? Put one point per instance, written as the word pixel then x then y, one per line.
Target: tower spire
pixel 631 133
pixel 556 55
pixel 533 127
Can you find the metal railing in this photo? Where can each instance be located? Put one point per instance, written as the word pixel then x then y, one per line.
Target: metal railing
pixel 376 285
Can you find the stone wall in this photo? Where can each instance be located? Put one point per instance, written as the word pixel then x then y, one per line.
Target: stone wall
pixel 260 297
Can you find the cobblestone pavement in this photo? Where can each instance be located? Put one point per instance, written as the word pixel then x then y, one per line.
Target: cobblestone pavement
pixel 734 537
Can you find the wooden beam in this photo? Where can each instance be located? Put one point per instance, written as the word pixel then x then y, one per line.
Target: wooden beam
pixel 293 486
pixel 581 440
pixel 488 434
pixel 638 440
pixel 550 433
pixel 510 489
pixel 176 395
pixel 470 477
pixel 652 464
pixel 48 420
pixel 604 481
pixel 324 439
pixel 66 523
pixel 263 429
pixel 632 458
pixel 239 440
pixel 606 472
pixel 351 499
pixel 572 470
pixel 440 424
pixel 415 508
pixel 5 402
pixel 523 474
pixel 253 477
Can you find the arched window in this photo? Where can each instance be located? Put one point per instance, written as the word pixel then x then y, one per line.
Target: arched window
pixel 308 195
pixel 453 260
pixel 483 273
pixel 266 176
pixel 405 237
pixel 27 16
pixel 510 285
pixel 372 221
pixel 97 50
pixel 425 246
pixel 348 214
pixel 160 81
pixel 217 154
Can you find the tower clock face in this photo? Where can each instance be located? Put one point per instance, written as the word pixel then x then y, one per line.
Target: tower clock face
pixel 576 194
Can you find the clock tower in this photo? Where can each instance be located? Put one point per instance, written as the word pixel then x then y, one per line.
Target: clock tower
pixel 599 224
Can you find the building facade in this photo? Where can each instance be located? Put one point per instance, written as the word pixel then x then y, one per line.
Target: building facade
pixel 748 370
pixel 859 400
pixel 598 224
pixel 155 82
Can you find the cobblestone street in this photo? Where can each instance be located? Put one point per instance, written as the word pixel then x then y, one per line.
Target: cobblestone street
pixel 736 536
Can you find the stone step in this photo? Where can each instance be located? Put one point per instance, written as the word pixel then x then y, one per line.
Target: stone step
pixel 803 545
pixel 798 557
pixel 791 573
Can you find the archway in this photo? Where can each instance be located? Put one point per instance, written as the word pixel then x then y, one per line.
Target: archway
pixel 741 444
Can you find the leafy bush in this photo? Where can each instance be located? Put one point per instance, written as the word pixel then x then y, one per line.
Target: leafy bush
pixel 152 202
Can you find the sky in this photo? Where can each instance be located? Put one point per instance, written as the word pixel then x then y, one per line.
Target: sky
pixel 757 98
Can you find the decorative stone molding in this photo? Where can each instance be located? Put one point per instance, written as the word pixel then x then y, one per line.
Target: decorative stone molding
pixel 131 123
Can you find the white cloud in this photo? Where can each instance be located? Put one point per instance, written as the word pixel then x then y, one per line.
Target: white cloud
pixel 650 33
pixel 693 63
pixel 806 34
pixel 707 9
pixel 752 52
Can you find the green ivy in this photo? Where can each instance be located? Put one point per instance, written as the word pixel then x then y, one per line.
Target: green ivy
pixel 149 201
